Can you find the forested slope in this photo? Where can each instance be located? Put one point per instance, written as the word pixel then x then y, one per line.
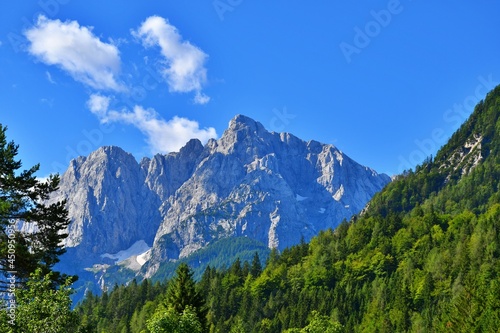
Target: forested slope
pixel 423 257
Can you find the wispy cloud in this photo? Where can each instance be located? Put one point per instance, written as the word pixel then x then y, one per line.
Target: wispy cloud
pixel 162 136
pixel 185 63
pixel 47 101
pixel 76 50
pixel 49 77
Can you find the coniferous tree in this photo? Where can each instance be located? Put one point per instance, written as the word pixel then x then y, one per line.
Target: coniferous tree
pixel 256 267
pixel 424 257
pixel 23 201
pixel 182 293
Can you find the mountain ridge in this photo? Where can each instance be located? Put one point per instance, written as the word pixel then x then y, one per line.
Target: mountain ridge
pixel 424 256
pixel 256 163
pixel 271 187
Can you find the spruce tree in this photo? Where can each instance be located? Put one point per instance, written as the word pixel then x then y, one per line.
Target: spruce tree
pixel 182 293
pixel 256 267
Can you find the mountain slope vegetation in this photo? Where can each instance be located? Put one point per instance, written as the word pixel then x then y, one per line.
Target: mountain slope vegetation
pixel 272 188
pixel 423 257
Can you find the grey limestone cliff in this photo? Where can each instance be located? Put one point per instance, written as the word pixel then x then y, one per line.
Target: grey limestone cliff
pixel 271 187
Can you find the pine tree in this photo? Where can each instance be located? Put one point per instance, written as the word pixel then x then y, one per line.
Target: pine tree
pixel 23 200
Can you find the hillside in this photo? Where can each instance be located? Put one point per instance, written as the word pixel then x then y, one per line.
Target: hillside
pixel 424 257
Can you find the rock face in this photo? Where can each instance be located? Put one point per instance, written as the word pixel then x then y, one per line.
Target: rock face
pixel 272 187
pixel 109 204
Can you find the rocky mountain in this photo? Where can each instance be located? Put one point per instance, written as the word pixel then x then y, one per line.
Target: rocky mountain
pixel 270 187
pixel 424 256
pixel 109 203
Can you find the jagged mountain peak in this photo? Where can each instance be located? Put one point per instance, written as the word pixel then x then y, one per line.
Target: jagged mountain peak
pixel 241 121
pixel 241 127
pixel 244 137
pixel 113 152
pixel 193 145
pixel 105 191
pixel 315 146
pixel 271 187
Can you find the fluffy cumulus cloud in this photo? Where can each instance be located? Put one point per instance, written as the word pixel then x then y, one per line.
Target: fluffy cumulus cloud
pixel 185 63
pixel 163 136
pixel 76 50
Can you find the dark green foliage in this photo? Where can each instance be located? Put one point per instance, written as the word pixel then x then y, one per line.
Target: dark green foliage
pixel 256 267
pixel 23 200
pixel 40 308
pixel 318 324
pixel 425 257
pixel 182 293
pixel 220 254
pixel 170 321
pixel 125 308
pixel 34 297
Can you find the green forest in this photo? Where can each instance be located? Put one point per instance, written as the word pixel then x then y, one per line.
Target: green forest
pixel 422 257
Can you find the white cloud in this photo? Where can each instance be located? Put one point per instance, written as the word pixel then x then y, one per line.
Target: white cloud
pixel 201 98
pixel 98 105
pixel 185 63
pixel 49 77
pixel 76 50
pixel 1 43
pixel 163 136
pixel 44 179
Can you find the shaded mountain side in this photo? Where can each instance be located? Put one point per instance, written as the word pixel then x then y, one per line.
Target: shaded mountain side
pixel 218 255
pixel 272 188
pixel 424 257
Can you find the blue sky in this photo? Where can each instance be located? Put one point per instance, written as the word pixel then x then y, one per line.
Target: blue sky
pixel 387 82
